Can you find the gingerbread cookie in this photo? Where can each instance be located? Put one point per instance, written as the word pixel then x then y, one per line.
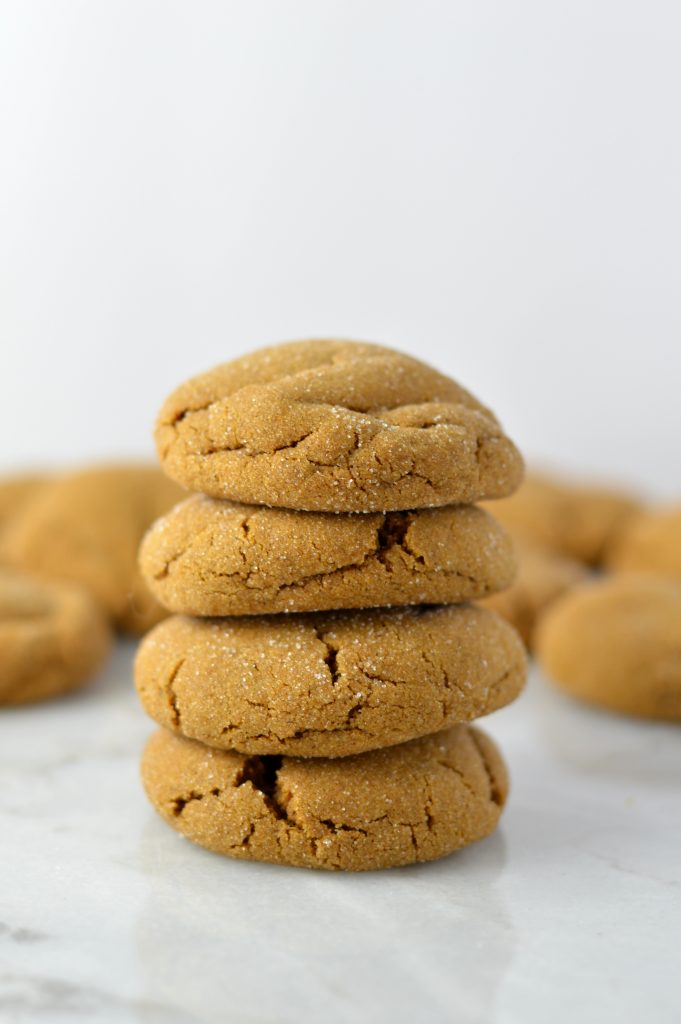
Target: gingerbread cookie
pixel 574 521
pixel 617 643
pixel 327 684
pixel 542 577
pixel 209 557
pixel 86 527
pixel 649 542
pixel 53 638
pixel 414 802
pixel 334 426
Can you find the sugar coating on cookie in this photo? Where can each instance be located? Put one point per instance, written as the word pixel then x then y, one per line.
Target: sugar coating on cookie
pixel 86 527
pixel 415 802
pixel 617 643
pixel 328 684
pixel 649 542
pixel 53 638
pixel 334 426
pixel 574 520
pixel 541 578
pixel 211 557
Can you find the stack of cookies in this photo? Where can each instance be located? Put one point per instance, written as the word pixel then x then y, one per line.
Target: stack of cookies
pixel 317 677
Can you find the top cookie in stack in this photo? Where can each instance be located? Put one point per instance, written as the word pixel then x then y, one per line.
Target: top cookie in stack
pixel 333 475
pixel 334 426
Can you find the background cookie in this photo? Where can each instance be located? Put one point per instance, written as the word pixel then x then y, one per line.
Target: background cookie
pixel 15 492
pixel 542 577
pixel 617 643
pixel 327 685
pixel 415 802
pixel 649 542
pixel 53 637
pixel 575 521
pixel 86 527
pixel 334 426
pixel 209 557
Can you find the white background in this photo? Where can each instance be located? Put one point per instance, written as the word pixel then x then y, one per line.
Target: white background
pixel 492 185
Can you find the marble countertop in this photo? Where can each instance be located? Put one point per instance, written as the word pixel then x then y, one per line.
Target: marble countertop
pixel 571 911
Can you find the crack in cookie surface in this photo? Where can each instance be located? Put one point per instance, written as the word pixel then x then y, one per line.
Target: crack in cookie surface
pixel 328 684
pixel 208 557
pixel 416 801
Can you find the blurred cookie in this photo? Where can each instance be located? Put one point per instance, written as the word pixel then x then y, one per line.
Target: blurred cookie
pixel 414 802
pixel 617 643
pixel 15 492
pixel 86 527
pixel 542 577
pixel 53 638
pixel 649 542
pixel 327 685
pixel 209 557
pixel 574 521
pixel 334 426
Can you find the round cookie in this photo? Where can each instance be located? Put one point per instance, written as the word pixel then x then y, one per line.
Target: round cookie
pixel 209 557
pixel 574 521
pixel 86 527
pixel 542 577
pixel 327 684
pixel 617 643
pixel 335 426
pixel 649 542
pixel 414 802
pixel 53 638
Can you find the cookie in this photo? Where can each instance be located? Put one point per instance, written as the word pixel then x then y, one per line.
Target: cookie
pixel 327 684
pixel 15 492
pixel 53 638
pixel 414 802
pixel 210 557
pixel 617 643
pixel 542 577
pixel 570 520
pixel 334 426
pixel 86 527
pixel 649 542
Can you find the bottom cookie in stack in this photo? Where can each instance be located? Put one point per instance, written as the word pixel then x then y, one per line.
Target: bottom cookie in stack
pixel 417 801
pixel 332 739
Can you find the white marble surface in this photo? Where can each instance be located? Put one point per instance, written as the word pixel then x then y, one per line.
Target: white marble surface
pixel 572 911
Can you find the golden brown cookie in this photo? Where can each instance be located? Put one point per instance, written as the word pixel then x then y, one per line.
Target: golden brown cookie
pixel 334 426
pixel 617 643
pixel 209 557
pixel 649 542
pixel 53 637
pixel 86 527
pixel 571 520
pixel 542 577
pixel 327 684
pixel 15 492
pixel 414 802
